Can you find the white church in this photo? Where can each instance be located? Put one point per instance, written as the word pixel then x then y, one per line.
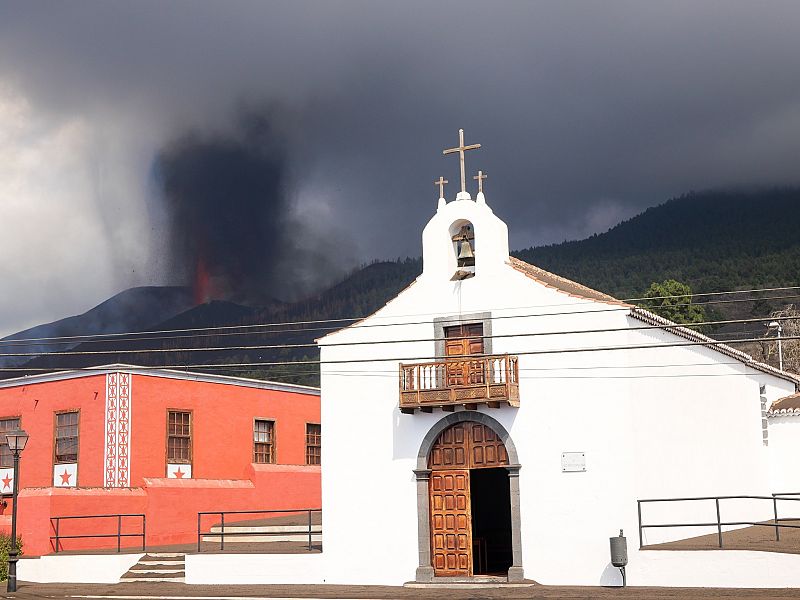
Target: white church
pixel 496 422
pixel 495 418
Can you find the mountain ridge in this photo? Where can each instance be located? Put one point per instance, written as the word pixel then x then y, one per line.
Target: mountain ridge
pixel 712 240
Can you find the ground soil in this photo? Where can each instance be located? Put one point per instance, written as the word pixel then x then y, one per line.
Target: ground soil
pixel 171 590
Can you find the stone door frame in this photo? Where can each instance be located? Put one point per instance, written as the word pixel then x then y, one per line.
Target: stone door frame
pixel 423 473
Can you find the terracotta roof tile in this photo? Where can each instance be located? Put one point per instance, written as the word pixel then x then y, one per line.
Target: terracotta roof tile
pixel 562 284
pixel 788 406
pixel 578 290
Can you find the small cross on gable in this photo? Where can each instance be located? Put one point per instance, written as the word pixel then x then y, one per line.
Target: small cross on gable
pixel 440 182
pixel 480 177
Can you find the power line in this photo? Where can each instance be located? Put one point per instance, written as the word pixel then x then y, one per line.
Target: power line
pixel 392 373
pixel 708 343
pixel 389 341
pixel 35 341
pixel 343 320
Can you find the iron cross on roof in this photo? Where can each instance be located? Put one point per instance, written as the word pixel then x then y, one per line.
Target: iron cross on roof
pixel 441 183
pixel 480 177
pixel 461 149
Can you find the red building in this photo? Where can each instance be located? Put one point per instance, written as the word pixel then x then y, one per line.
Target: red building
pixel 161 443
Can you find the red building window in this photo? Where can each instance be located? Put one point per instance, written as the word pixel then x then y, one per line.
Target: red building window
pixel 66 442
pixel 7 424
pixel 313 443
pixel 179 436
pixel 263 441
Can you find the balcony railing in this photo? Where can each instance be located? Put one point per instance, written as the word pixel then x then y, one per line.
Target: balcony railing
pixel 490 380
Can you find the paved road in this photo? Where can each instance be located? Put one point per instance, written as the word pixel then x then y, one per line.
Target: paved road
pixel 172 591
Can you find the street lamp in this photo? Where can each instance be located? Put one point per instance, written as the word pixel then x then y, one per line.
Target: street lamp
pixel 777 326
pixel 16 443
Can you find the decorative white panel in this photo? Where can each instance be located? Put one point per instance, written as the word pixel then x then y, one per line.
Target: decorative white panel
pixel 65 475
pixel 6 480
pixel 182 471
pixel 117 426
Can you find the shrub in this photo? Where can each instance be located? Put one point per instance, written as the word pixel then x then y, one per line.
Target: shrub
pixel 5 546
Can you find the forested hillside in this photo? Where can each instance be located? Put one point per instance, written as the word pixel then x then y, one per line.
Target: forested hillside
pixel 714 241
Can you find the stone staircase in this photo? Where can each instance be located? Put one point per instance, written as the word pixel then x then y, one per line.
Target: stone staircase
pixel 158 566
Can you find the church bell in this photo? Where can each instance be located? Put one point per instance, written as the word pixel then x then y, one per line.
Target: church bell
pixel 466 258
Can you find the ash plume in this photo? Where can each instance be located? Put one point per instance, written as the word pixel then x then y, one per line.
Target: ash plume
pixel 231 230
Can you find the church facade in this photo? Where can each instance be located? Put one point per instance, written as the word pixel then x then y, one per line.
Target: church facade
pixel 158 443
pixel 504 421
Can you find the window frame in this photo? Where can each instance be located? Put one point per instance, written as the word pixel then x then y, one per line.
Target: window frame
pixel 318 445
pixel 190 437
pixel 439 324
pixel 273 443
pixel 57 462
pixel 5 442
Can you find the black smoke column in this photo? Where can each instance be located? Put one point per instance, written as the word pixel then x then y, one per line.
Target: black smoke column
pixel 228 210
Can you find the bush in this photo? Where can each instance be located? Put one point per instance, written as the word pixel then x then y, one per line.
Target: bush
pixel 5 546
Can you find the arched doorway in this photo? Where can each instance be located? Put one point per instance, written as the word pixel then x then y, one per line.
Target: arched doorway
pixel 468 500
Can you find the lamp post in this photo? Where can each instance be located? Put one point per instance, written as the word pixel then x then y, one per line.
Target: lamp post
pixel 16 443
pixel 777 326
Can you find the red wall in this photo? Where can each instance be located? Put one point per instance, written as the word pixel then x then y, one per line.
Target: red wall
pixel 223 476
pixel 36 405
pixel 222 420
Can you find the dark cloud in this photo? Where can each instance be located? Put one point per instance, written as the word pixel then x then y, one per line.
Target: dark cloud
pixel 587 112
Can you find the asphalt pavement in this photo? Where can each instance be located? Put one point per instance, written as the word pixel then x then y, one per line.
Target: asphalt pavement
pixel 177 591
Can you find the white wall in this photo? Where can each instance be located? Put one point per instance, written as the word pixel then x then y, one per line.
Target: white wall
pixel 715 568
pixel 784 454
pixel 254 568
pixel 664 422
pixel 76 568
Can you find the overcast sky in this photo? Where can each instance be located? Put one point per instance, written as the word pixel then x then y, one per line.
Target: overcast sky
pixel 587 112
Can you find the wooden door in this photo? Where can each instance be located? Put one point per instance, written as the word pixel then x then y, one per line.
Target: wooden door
pixel 467 445
pixel 486 449
pixel 459 448
pixel 464 340
pixel 451 449
pixel 451 523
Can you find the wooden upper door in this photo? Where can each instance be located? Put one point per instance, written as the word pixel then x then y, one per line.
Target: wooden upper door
pixel 464 340
pixel 467 445
pixel 451 523
pixel 486 449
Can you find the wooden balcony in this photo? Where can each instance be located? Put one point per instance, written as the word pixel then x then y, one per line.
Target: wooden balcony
pixel 445 384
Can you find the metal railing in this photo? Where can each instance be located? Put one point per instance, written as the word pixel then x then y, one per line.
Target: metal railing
pixel 55 524
pixel 303 530
pixel 719 523
pixel 459 380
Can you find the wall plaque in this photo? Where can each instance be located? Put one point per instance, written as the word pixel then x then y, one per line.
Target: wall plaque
pixel 573 462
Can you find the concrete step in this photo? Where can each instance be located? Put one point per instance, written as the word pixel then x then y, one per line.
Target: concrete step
pixel 266 529
pixel 153 574
pixel 139 568
pixel 270 533
pixel 152 579
pixel 265 539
